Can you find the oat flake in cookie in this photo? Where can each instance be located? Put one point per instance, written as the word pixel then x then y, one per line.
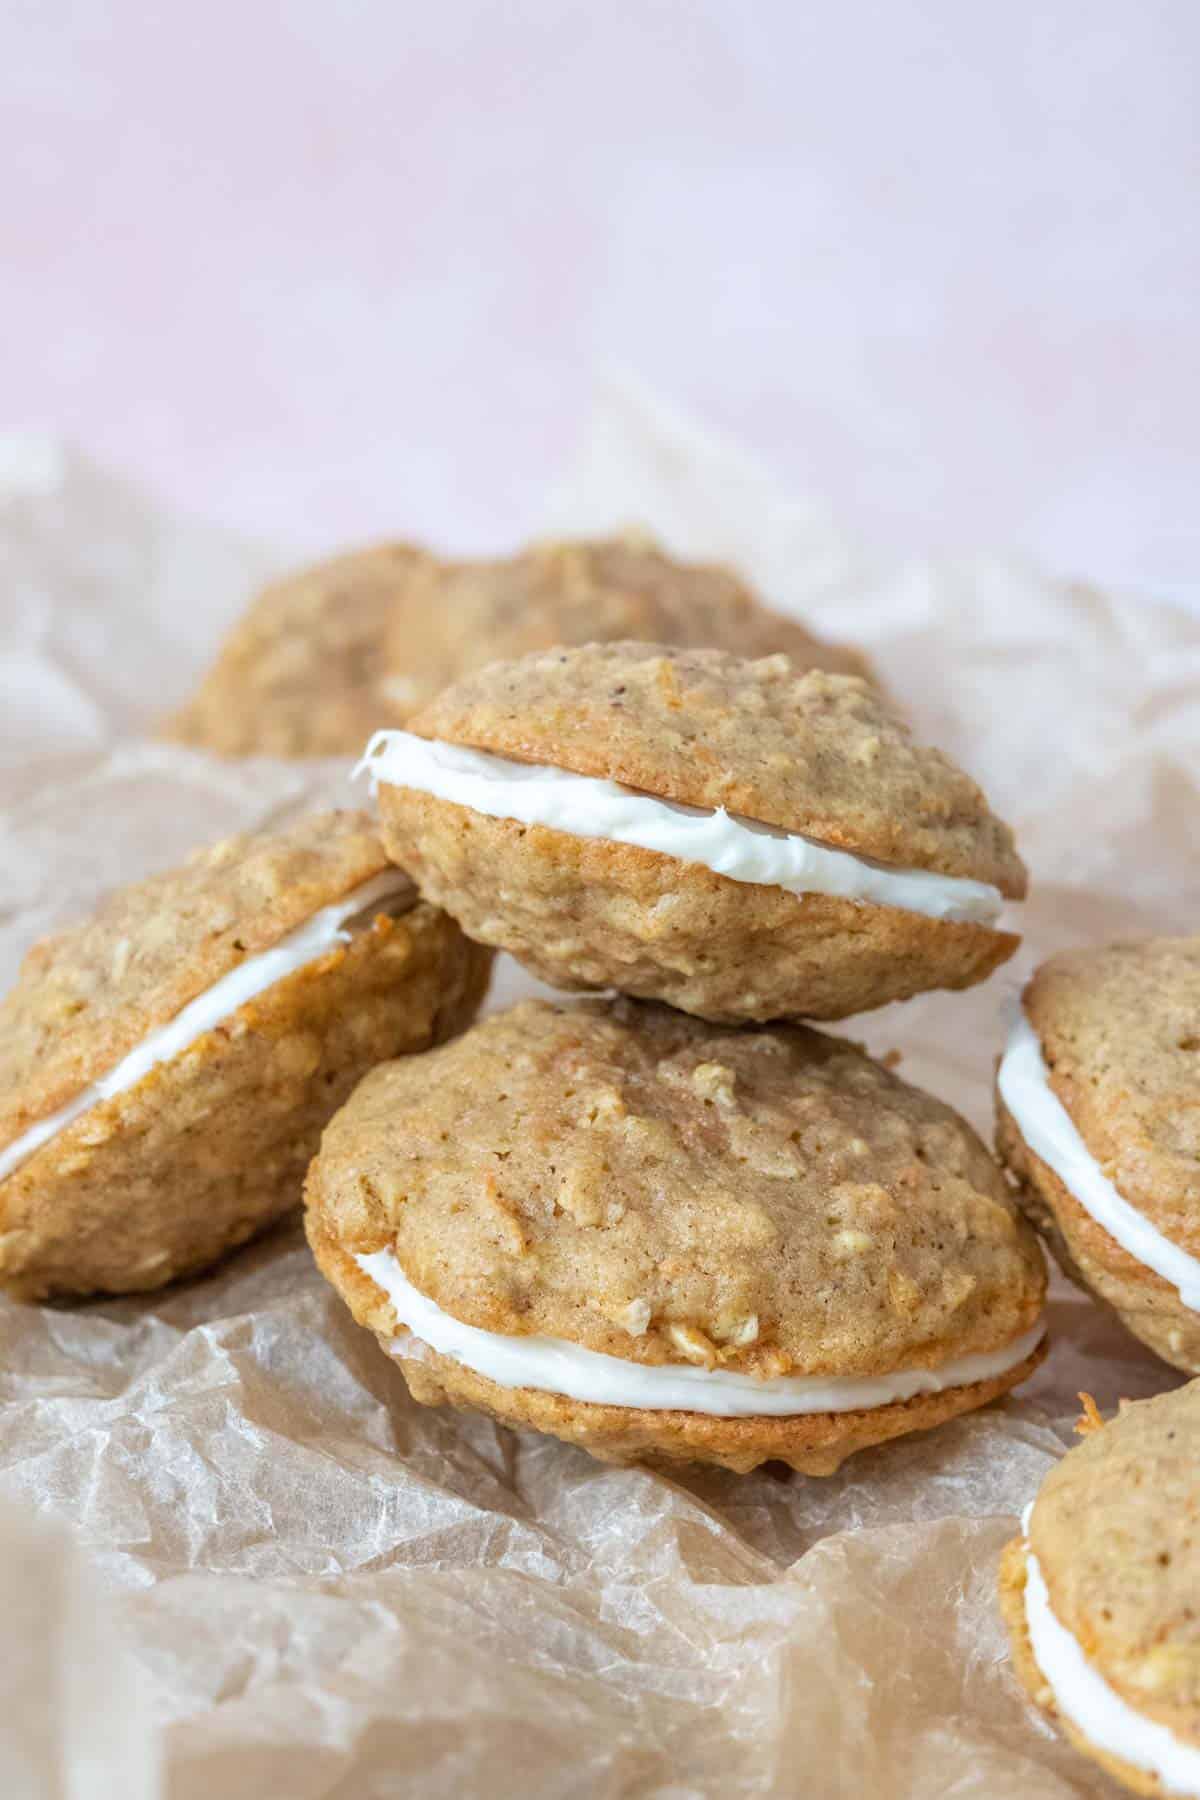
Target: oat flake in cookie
pixel 166 1067
pixel 1099 1120
pixel 1101 1594
pixel 302 673
pixel 741 839
pixel 453 618
pixel 667 1241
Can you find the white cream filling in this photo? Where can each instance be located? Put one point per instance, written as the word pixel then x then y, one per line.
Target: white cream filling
pixel 741 849
pixel 1084 1697
pixel 557 1367
pixel 1047 1127
pixel 304 945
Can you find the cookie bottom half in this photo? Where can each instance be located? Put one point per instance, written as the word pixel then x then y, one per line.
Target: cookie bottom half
pixel 810 1443
pixel 587 913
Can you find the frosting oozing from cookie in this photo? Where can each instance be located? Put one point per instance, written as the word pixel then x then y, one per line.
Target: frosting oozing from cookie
pixel 1050 1132
pixel 330 926
pixel 555 1366
pixel 740 849
pixel 1082 1696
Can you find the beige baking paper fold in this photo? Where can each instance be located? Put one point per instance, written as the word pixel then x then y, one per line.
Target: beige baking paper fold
pixel 73 1721
pixel 328 1590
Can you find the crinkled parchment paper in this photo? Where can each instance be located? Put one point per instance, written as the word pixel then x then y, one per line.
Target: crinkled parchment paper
pixel 309 1585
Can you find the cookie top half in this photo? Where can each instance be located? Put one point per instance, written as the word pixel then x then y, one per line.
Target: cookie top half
pixel 655 1188
pixel 88 995
pixel 1119 1027
pixel 1116 1533
pixel 808 752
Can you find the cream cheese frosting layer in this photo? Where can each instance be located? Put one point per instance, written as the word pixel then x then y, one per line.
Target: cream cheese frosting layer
pixel 555 1366
pixel 1050 1132
pixel 741 849
pixel 309 941
pixel 1084 1697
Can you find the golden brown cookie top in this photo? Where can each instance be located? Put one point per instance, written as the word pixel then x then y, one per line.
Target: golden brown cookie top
pixel 809 752
pixel 1116 1532
pixel 300 674
pixel 657 1188
pixel 1120 1032
pixel 85 997
pixel 455 617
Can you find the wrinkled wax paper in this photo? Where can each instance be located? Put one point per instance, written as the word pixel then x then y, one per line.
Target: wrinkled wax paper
pixel 309 1586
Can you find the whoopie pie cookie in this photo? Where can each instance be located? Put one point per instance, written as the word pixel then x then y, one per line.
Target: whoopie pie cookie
pixel 456 617
pixel 1099 1121
pixel 301 674
pixel 362 640
pixel 167 1066
pixel 742 839
pixel 664 1240
pixel 1101 1594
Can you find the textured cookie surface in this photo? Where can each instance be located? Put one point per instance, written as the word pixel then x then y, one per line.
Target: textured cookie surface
pixel 85 997
pixel 584 913
pixel 659 1190
pixel 1116 1532
pixel 453 618
pixel 302 673
pixel 812 753
pixel 1120 1032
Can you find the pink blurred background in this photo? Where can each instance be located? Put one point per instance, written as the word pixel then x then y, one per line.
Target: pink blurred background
pixel 326 271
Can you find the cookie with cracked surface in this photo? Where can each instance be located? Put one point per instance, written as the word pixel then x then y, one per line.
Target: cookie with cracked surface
pixel 1098 1103
pixel 1101 1595
pixel 456 617
pixel 167 1066
pixel 666 1240
pixel 741 839
pixel 301 674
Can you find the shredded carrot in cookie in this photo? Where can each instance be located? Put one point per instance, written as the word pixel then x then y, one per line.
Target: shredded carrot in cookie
pixel 1091 1419
pixel 668 684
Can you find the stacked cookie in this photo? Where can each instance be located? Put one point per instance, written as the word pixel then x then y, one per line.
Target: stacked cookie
pixel 670 1221
pixel 679 1224
pixel 166 1068
pixel 739 838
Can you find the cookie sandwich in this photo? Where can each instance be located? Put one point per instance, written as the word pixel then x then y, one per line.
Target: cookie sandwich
pixel 167 1066
pixel 302 673
pixel 1099 1121
pixel 742 839
pixel 455 617
pixel 1101 1594
pixel 366 639
pixel 668 1241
